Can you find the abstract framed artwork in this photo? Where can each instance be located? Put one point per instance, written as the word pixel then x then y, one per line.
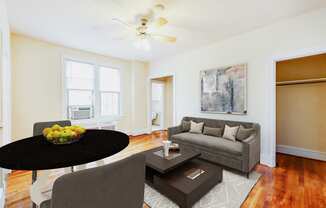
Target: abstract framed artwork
pixel 224 90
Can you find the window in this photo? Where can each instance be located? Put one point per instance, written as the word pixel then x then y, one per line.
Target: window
pixel 92 91
pixel 109 91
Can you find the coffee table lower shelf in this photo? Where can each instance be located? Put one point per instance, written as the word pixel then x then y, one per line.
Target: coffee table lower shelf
pixel 179 188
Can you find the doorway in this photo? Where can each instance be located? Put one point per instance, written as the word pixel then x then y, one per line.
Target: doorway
pixel 300 106
pixel 161 103
pixel 157 105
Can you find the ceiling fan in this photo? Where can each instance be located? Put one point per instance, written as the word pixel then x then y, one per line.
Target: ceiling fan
pixel 141 28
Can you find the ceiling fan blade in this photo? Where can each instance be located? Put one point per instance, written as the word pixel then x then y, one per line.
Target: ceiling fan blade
pixel 164 38
pixel 123 23
pixel 160 22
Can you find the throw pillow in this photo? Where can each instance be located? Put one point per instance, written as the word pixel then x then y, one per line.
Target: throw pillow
pixel 185 126
pixel 196 128
pixel 244 133
pixel 230 133
pixel 217 132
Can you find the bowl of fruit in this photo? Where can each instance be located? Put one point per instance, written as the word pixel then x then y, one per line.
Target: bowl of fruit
pixel 63 135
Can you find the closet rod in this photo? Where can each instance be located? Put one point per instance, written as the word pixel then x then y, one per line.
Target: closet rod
pixel 303 81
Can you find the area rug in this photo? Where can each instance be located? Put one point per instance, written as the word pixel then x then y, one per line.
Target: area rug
pixel 230 193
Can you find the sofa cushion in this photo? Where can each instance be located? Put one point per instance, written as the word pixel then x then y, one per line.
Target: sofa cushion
pixel 196 128
pixel 217 132
pixel 185 126
pixel 210 142
pixel 244 133
pixel 230 133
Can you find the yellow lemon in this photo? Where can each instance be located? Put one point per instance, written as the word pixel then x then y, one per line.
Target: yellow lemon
pixel 78 130
pixel 50 136
pixel 56 134
pixel 73 128
pixel 83 130
pixel 74 134
pixel 46 131
pixel 56 127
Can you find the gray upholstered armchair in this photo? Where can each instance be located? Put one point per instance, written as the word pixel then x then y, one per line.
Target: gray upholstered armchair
pixel 38 130
pixel 117 185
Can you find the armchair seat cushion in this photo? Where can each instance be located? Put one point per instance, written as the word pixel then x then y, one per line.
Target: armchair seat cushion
pixel 210 142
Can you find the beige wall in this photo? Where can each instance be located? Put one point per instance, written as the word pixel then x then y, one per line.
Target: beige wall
pixel 140 105
pixel 301 116
pixel 5 84
pixel 1 61
pixel 301 108
pixel 37 83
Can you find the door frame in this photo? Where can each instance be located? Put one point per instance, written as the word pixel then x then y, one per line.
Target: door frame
pixel 149 98
pixel 272 91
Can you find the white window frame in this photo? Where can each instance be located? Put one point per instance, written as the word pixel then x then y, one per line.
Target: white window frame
pixel 99 91
pixel 96 93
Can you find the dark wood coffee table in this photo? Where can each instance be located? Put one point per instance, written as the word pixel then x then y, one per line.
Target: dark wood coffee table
pixel 169 177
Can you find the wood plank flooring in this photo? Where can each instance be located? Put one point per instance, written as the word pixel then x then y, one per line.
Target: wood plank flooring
pixel 296 182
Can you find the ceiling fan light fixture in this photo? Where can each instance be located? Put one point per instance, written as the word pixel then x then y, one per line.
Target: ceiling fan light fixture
pixel 143 44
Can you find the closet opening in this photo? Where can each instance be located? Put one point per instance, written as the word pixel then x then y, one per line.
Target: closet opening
pixel 301 107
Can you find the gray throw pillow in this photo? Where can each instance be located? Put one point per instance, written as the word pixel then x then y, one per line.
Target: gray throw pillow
pixel 185 126
pixel 196 128
pixel 217 132
pixel 244 133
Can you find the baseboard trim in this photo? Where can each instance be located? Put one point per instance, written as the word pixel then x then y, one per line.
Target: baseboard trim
pixel 266 160
pixel 301 152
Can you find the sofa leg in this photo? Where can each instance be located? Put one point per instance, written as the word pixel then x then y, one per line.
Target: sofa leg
pixel 248 174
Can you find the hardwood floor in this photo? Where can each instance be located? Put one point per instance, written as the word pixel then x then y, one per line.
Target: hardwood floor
pixel 296 182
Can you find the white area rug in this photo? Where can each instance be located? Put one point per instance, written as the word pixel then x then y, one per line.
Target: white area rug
pixel 230 193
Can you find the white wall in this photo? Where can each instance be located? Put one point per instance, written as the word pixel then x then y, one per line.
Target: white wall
pixel 38 83
pixel 257 48
pixel 5 121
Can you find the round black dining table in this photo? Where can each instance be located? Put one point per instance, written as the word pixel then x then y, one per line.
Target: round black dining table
pixel 36 153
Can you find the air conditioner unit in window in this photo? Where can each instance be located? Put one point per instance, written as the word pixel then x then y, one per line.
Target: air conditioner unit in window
pixel 80 112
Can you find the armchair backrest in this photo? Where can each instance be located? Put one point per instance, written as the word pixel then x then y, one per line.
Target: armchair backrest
pixel 117 185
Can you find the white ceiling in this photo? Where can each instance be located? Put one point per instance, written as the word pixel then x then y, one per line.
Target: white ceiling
pixel 87 25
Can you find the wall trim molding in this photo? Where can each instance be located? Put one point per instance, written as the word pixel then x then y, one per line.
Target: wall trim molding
pixel 265 160
pixel 301 152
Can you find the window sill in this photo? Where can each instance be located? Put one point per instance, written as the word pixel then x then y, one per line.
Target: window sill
pixel 96 122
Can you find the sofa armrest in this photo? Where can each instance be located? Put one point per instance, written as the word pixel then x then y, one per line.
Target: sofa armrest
pixel 174 130
pixel 251 152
